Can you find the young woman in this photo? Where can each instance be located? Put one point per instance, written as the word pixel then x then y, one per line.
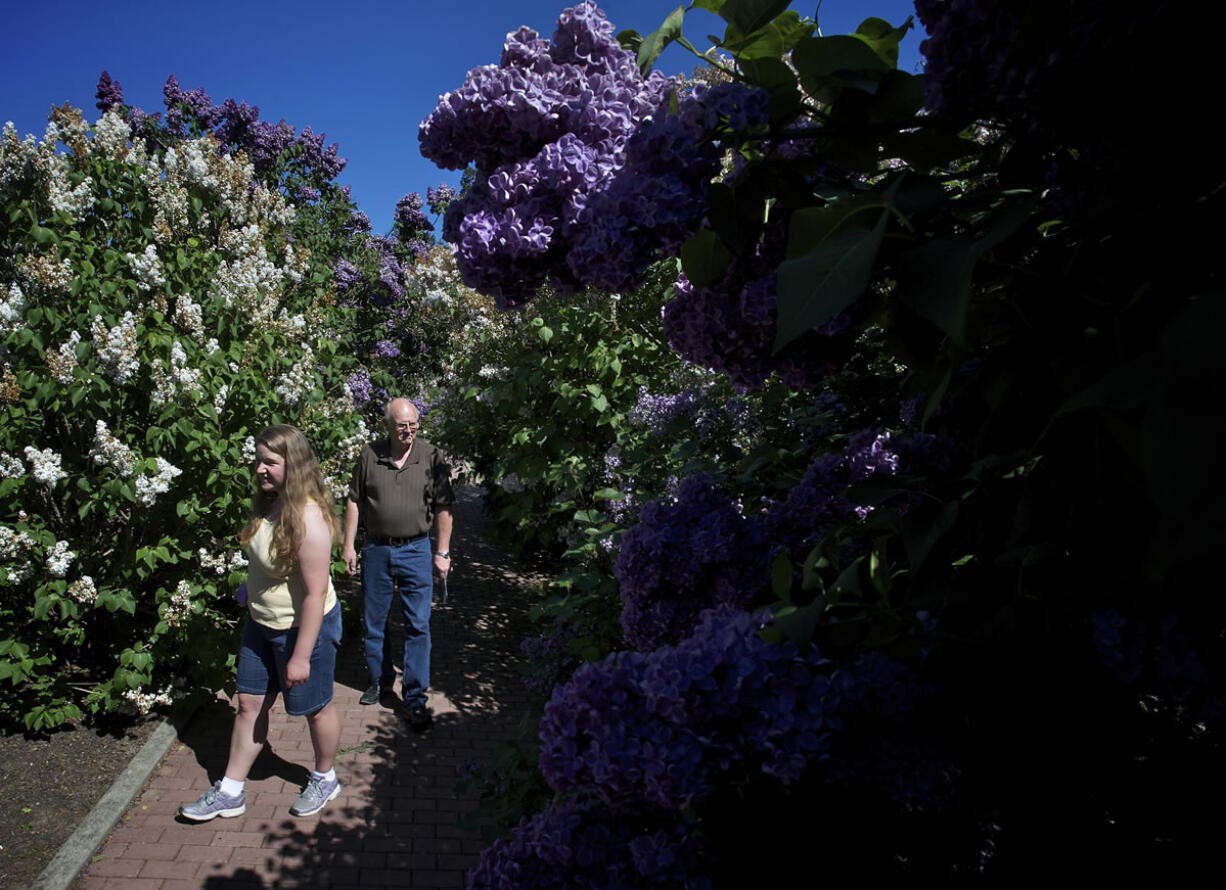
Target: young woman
pixel 293 626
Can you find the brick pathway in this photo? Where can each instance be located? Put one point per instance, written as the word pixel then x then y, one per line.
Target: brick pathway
pixel 395 821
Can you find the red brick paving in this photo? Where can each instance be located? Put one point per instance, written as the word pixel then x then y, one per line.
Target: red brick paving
pixel 395 823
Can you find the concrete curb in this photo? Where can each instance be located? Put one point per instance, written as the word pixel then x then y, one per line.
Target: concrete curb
pixel 85 841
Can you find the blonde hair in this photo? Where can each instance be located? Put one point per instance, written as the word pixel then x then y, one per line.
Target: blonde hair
pixel 304 484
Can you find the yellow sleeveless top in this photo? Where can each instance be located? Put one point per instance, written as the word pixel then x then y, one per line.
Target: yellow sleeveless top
pixel 275 594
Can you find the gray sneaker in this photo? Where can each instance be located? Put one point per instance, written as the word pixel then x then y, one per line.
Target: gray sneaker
pixel 213 804
pixel 312 799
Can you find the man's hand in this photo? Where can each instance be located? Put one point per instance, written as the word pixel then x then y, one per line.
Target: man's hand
pixel 350 556
pixel 297 670
pixel 442 565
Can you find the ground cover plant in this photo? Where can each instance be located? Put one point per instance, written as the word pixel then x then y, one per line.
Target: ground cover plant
pixel 951 626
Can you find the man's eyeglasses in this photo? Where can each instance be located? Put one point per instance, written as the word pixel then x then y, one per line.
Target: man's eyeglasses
pixel 409 427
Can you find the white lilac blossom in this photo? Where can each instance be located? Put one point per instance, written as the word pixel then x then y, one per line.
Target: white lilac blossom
pixel 116 347
pixel 237 561
pixel 147 268
pixel 179 605
pixel 12 309
pixel 45 465
pixel 13 543
pixel 219 398
pixel 149 487
pixel 46 273
pixel 59 558
pixel 212 346
pixel 300 380
pixel 209 562
pixel 144 702
pixel 109 451
pixel 189 317
pixel 178 379
pixel 83 590
pixel 249 449
pixel 63 196
pixel 111 137
pixel 11 467
pixel 15 547
pixel 63 361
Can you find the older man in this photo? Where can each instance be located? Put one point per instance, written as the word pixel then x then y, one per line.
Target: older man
pixel 401 485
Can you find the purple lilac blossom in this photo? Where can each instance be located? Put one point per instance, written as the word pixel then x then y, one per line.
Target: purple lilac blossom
pixel 662 727
pixel 583 177
pixel 409 218
pixel 359 387
pixel 586 844
pixel 684 557
pixel 656 413
pixel 730 327
pixel 819 499
pixel 109 93
pixel 345 273
pixel 439 197
pixel 386 349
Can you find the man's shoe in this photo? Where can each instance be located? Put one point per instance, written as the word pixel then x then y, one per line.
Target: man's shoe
pixel 213 804
pixel 418 717
pixel 312 799
pixel 371 695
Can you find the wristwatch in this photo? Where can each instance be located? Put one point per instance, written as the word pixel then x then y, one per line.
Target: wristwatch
pixel 445 554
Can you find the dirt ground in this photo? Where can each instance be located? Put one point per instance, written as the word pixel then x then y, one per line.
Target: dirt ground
pixel 49 783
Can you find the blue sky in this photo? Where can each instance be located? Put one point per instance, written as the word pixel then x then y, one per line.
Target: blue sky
pixel 365 71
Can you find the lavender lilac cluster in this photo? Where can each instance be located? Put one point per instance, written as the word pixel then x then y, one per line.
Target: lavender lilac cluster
pixel 730 327
pixel 586 844
pixel 683 557
pixel 583 177
pixel 665 727
pixel 657 413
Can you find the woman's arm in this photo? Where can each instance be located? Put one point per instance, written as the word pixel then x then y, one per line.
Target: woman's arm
pixel 315 564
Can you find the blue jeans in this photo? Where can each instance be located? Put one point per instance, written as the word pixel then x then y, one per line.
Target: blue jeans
pixel 406 569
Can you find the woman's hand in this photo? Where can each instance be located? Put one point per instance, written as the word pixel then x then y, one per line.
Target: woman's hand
pixel 297 670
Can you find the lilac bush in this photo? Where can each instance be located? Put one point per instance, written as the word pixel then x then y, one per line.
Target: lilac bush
pixel 683 557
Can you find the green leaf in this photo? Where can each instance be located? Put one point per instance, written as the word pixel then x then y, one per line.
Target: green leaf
pixel 820 57
pixel 817 286
pixel 747 16
pixel 42 235
pixel 705 259
pixel 545 333
pixel 938 275
pixel 781 577
pixel 655 42
pixel 922 531
pixel 883 38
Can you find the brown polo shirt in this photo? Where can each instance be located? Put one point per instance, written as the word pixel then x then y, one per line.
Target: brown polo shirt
pixel 400 502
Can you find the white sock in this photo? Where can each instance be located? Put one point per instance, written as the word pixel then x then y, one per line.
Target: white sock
pixel 329 776
pixel 231 787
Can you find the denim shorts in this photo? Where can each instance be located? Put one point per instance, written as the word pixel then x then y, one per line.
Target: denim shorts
pixel 265 652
